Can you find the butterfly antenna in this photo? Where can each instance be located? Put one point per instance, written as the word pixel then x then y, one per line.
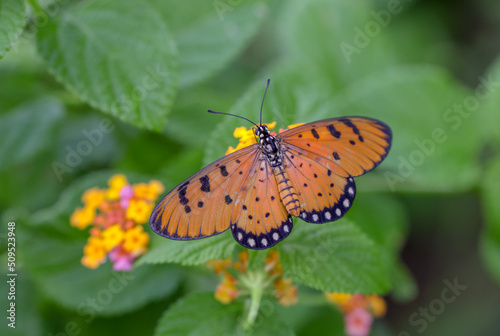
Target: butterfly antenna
pixel 262 105
pixel 233 115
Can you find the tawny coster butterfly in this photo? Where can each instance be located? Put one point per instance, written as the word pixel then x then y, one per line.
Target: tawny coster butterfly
pixel 306 172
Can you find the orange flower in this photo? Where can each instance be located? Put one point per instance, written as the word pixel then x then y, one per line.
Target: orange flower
pixel 219 265
pixel 270 278
pixel 116 216
pixel 285 292
pixel 377 305
pixel 242 264
pixel 226 291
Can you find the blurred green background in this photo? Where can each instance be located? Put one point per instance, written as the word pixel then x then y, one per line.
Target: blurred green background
pixel 428 68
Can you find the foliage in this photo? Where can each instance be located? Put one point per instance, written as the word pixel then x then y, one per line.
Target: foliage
pixel 94 88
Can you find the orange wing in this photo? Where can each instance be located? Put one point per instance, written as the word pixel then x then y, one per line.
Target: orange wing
pixel 259 218
pixel 202 205
pixel 322 157
pixel 349 146
pixel 323 195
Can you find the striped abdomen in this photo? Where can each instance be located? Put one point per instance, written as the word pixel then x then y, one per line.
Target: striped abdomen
pixel 287 192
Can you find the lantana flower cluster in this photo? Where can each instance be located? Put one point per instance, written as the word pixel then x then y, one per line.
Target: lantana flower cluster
pixel 116 216
pixel 236 279
pixel 359 311
pixel 247 136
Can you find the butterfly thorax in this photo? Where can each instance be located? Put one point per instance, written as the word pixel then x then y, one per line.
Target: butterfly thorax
pixel 271 148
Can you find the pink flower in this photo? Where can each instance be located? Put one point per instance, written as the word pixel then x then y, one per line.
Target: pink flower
pixel 126 194
pixel 358 322
pixel 122 260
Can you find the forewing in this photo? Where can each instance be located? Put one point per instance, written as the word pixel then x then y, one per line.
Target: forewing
pixel 349 146
pixel 202 205
pixel 259 218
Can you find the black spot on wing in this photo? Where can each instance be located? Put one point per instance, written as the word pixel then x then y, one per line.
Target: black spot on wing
pixel 182 185
pixel 205 183
pixel 228 199
pixel 315 133
pixel 187 209
pixel 349 123
pixel 223 171
pixel 200 204
pixel 333 131
pixel 336 156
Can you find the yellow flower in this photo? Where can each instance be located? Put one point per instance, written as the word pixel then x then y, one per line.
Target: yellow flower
pixel 338 298
pixel 139 211
pixel 116 183
pixel 247 137
pixel 93 197
pixel 377 305
pixel 82 217
pixel 149 191
pixel 136 240
pixel 226 291
pixel 94 253
pixel 285 292
pixel 112 236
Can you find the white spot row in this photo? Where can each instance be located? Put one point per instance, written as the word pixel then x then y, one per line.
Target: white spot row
pixel 251 242
pixel 286 229
pixel 276 236
pixel 346 203
pixel 350 191
pixel 315 217
pixel 328 215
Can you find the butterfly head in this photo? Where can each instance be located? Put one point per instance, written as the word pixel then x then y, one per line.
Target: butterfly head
pixel 262 131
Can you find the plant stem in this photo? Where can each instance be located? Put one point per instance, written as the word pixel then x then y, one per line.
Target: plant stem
pixel 257 290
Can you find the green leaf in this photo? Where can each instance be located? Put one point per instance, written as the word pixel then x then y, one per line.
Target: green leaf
pixel 52 252
pixel 419 103
pixel 381 217
pixel 384 219
pixel 200 314
pixel 490 118
pixel 209 34
pixel 27 130
pixel 329 39
pixel 490 240
pixel 12 20
pixel 189 253
pixel 123 68
pixel 335 257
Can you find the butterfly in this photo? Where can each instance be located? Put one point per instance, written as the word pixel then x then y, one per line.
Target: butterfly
pixel 304 172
